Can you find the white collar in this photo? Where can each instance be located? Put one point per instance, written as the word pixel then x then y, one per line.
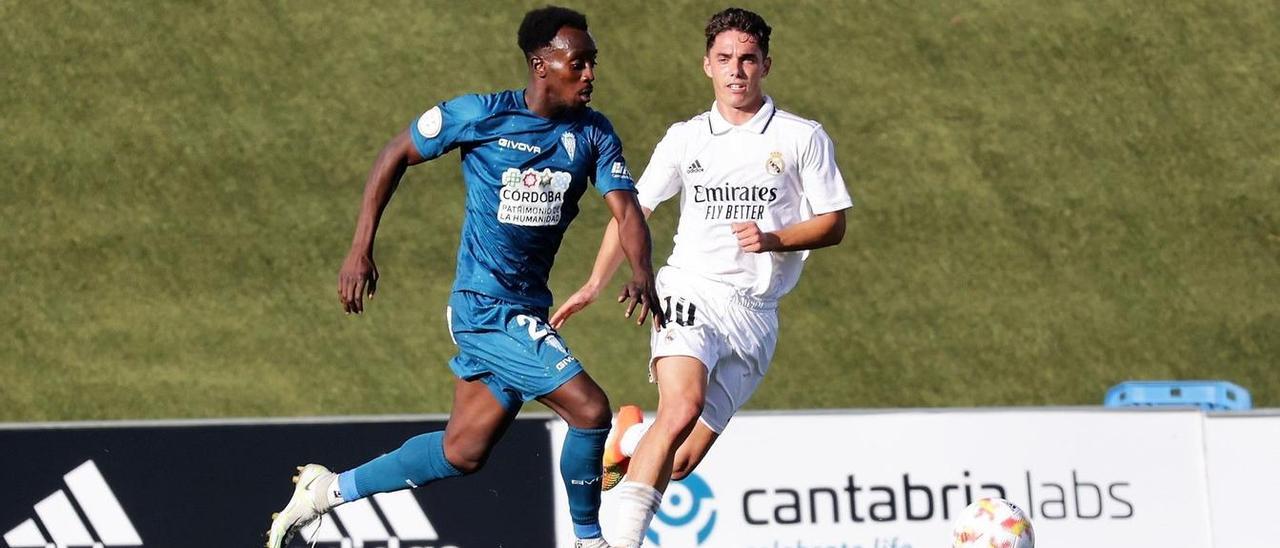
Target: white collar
pixel 756 124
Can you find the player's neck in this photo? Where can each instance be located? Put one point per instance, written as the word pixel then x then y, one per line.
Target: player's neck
pixel 540 103
pixel 740 115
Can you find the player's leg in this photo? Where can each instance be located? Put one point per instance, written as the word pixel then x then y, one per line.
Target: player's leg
pixel 580 402
pixel 477 421
pixel 693 450
pixel 479 418
pixel 583 404
pixel 627 438
pixel 681 386
pixel 688 456
pixel 730 384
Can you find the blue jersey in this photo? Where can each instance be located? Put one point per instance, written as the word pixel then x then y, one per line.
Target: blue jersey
pixel 524 176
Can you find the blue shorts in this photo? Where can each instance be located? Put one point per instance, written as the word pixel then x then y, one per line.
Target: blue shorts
pixel 508 346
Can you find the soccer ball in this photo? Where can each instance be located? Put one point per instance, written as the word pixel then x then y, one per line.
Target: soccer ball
pixel 993 523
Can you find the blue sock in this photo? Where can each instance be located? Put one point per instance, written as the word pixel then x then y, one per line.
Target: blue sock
pixel 581 469
pixel 416 463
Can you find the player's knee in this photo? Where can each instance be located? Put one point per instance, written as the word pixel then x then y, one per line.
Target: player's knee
pixel 680 415
pixel 599 416
pixel 591 411
pixel 596 412
pixel 468 464
pixel 690 410
pixel 465 458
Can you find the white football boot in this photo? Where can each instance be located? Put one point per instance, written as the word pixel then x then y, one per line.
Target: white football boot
pixel 592 543
pixel 308 502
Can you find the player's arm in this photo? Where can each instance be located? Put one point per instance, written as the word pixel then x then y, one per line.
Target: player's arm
pixel 824 191
pixel 358 276
pixel 608 259
pixel 634 239
pixel 661 181
pixel 822 230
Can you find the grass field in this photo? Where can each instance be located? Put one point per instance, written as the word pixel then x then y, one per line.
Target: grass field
pixel 1052 197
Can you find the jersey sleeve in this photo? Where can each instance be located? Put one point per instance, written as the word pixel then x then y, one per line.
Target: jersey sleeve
pixel 820 177
pixel 611 171
pixel 447 125
pixel 661 178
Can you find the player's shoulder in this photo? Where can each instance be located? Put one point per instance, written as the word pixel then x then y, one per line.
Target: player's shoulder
pixel 597 128
pixel 594 120
pixel 791 122
pixel 698 125
pixel 478 105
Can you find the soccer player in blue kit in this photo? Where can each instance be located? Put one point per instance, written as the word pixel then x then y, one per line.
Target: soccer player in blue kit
pixel 527 157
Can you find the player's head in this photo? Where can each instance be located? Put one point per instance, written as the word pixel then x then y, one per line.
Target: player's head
pixel 560 53
pixel 737 58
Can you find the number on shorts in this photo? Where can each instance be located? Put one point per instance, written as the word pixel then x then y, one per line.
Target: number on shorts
pixel 682 313
pixel 536 331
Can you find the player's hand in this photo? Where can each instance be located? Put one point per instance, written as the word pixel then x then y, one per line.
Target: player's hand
pixel 641 292
pixel 753 240
pixel 357 279
pixel 576 303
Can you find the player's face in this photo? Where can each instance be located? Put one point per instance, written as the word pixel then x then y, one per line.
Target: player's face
pixel 737 67
pixel 569 63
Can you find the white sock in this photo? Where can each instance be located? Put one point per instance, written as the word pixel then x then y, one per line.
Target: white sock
pixel 326 493
pixel 637 503
pixel 631 438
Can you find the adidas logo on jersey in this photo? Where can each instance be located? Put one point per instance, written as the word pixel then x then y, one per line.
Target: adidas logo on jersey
pixel 57 513
pixel 402 523
pixel 695 167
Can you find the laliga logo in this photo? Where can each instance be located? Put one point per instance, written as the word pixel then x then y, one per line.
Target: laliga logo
pixel 686 516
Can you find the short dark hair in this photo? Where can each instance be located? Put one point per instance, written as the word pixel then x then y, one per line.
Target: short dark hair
pixel 540 26
pixel 741 20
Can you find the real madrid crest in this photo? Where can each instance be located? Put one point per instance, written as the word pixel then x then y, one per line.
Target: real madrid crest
pixel 774 166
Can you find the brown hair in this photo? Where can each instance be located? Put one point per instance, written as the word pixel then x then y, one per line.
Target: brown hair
pixel 740 20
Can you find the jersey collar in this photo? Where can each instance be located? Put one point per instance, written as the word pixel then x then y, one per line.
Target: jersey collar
pixel 757 123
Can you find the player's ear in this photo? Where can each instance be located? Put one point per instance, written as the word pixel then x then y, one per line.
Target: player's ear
pixel 538 66
pixel 706 65
pixel 768 62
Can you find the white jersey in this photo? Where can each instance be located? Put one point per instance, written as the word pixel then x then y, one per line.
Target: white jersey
pixel 777 169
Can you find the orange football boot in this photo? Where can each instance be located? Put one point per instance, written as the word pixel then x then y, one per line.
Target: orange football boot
pixel 615 463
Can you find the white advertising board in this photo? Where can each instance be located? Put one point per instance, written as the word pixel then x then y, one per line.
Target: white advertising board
pixel 1097 478
pixel 1243 459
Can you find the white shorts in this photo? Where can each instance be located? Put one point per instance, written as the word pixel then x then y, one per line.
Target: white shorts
pixel 732 334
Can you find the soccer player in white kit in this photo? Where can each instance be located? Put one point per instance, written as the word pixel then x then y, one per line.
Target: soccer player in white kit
pixel 759 188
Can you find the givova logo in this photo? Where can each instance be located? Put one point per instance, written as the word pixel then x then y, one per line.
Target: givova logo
pixel 57 515
pixel 687 515
pixel 405 525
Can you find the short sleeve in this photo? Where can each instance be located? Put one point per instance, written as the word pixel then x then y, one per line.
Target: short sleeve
pixel 611 171
pixel 661 179
pixel 820 177
pixel 446 125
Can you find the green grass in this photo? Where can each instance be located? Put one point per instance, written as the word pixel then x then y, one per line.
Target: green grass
pixel 1052 197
